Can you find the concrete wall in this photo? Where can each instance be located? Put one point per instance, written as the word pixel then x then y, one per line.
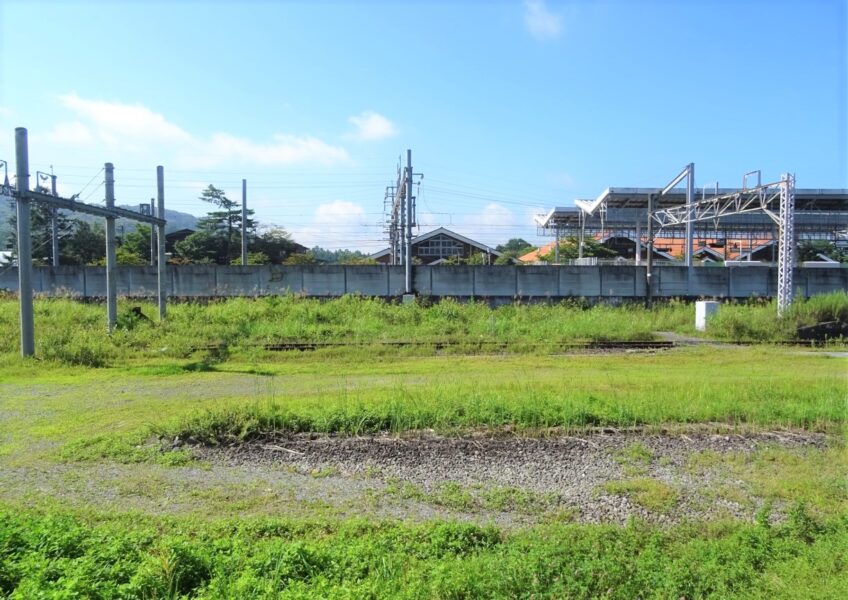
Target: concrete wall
pixel 495 282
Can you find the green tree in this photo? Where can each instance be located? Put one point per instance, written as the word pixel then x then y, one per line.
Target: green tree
pixel 516 245
pixel 810 250
pixel 514 248
pixel 224 224
pixel 302 258
pixel 86 245
pixel 137 242
pixel 275 243
pixel 569 250
pixel 202 247
pixel 41 232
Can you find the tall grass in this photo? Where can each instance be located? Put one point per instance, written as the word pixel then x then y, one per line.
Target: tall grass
pixel 72 332
pixel 63 556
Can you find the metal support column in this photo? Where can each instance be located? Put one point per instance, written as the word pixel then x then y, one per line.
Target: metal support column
pixel 407 259
pixel 786 249
pixel 649 257
pixel 24 243
pixel 638 242
pixel 160 231
pixel 690 199
pixel 111 284
pixel 244 222
pixel 556 245
pixel 54 225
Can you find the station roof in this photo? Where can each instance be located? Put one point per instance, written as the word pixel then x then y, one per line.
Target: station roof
pixel 630 202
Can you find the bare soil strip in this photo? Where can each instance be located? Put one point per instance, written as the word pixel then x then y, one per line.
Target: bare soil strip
pixel 599 477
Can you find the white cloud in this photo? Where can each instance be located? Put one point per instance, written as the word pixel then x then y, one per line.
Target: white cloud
pixel 340 212
pixel 114 121
pixel 340 224
pixel 224 148
pixel 134 128
pixel 541 22
pixel 371 126
pixel 72 132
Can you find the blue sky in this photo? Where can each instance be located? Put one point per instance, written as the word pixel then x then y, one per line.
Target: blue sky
pixel 510 107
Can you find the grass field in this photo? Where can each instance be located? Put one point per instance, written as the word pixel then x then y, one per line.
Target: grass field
pixel 96 502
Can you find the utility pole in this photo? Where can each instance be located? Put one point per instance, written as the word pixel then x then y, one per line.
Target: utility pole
pixel 244 222
pixel 160 230
pixel 408 250
pixel 153 234
pixel 54 224
pixel 649 258
pixel 24 243
pixel 111 284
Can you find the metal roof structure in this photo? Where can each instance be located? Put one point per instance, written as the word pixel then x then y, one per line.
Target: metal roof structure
pixel 819 214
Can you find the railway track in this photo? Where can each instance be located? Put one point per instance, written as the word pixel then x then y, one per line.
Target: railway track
pixel 480 346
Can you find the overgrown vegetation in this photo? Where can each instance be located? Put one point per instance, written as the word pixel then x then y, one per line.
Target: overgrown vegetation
pixel 72 332
pixel 58 555
pixel 91 402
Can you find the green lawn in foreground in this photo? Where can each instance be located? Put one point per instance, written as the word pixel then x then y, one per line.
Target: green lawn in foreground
pixel 134 557
pixel 46 407
pixel 54 414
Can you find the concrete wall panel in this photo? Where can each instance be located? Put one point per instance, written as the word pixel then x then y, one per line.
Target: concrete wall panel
pixel 496 280
pixel 617 282
pixel 277 279
pixel 453 281
pixel 368 280
pixel 579 282
pixel 237 281
pixel 710 282
pixel 537 281
pixel 95 282
pixel 324 280
pixel 822 281
pixel 671 281
pixel 9 278
pixel 66 281
pixel 194 280
pixel 746 282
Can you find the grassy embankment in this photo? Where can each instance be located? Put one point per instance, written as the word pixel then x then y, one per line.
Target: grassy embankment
pixel 72 332
pixel 58 412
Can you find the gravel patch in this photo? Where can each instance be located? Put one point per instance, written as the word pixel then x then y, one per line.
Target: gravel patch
pixel 572 469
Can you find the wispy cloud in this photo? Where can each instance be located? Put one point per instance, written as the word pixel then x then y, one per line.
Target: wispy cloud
pixel 339 224
pixel 371 126
pixel 223 148
pixel 540 21
pixel 135 127
pixel 114 121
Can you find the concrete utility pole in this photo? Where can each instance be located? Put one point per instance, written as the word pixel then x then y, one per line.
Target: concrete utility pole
pixel 111 284
pixel 54 225
pixel 24 243
pixel 152 234
pixel 244 222
pixel 407 260
pixel 160 231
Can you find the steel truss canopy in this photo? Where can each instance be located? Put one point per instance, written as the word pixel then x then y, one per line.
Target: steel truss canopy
pixel 819 213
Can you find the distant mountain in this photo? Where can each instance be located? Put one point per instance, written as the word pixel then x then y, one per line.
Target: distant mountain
pixel 176 220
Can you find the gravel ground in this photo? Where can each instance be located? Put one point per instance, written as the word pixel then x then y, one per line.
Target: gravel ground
pixel 571 469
